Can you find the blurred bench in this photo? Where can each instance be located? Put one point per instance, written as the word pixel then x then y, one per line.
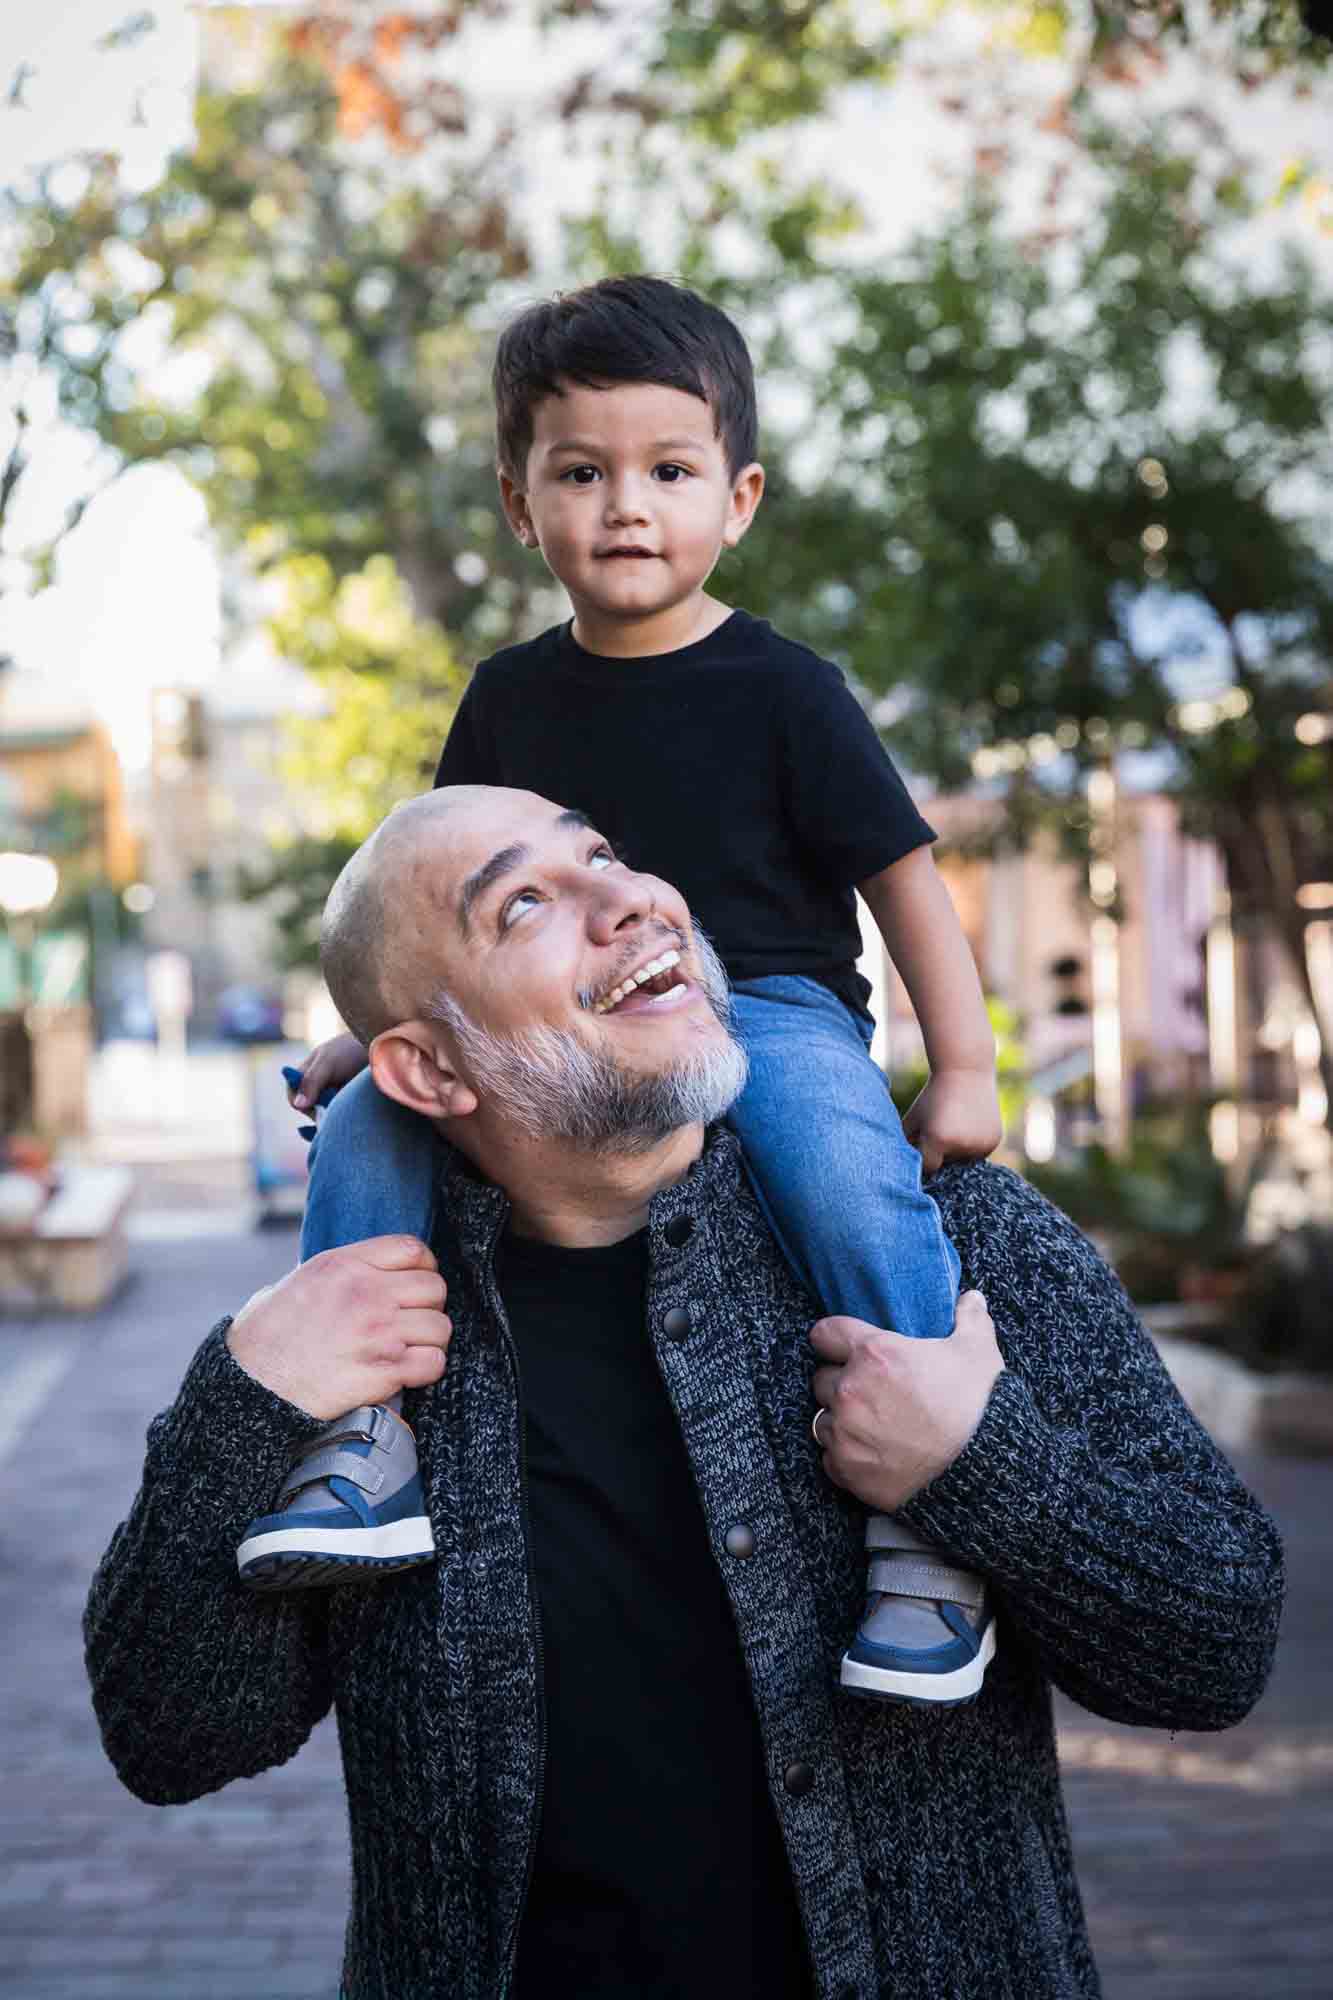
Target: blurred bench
pixel 73 1253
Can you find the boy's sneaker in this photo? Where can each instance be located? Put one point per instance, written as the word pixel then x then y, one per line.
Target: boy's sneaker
pixel 350 1508
pixel 927 1633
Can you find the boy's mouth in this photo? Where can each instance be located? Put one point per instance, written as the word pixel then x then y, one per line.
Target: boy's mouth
pixel 606 555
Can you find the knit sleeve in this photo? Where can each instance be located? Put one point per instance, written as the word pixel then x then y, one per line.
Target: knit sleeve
pixel 195 1679
pixel 1122 1543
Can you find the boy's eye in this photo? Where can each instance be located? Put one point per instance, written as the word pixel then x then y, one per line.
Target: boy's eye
pixel 580 475
pixel 601 857
pixel 671 475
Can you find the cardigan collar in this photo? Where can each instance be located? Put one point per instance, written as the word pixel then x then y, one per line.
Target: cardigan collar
pixel 477 1209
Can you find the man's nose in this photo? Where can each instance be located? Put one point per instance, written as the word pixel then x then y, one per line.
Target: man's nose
pixel 622 900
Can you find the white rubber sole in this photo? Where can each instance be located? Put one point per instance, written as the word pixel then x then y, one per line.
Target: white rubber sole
pixel 892 1685
pixel 411 1537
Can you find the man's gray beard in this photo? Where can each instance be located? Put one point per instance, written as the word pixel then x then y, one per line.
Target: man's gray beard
pixel 549 1084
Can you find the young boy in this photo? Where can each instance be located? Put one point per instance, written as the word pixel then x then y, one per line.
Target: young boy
pixel 737 766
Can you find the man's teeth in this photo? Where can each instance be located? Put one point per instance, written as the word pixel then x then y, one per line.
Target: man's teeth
pixel 640 978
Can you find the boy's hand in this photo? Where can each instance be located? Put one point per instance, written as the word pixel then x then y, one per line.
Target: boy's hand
pixel 897 1412
pixel 956 1117
pixel 327 1067
pixel 351 1326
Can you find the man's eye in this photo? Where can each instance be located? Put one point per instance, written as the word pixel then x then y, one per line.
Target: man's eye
pixel 601 857
pixel 580 475
pixel 518 906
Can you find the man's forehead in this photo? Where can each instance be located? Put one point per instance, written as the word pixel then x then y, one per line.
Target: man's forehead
pixel 495 845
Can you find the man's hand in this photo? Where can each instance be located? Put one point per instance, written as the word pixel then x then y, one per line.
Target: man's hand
pixel 329 1066
pixel 956 1117
pixel 354 1325
pixel 897 1412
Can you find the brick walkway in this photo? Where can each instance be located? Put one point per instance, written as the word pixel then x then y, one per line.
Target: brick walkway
pixel 1204 1860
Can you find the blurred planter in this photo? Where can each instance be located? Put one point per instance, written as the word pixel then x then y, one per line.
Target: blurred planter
pixel 1255 1361
pixel 1282 1317
pixel 1213 1285
pixel 61 1053
pixel 1246 1333
pixel 1165 1209
pixel 1245 1411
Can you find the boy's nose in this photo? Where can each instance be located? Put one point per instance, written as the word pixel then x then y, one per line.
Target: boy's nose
pixel 624 502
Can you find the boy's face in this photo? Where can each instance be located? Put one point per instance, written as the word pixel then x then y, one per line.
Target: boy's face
pixel 627 494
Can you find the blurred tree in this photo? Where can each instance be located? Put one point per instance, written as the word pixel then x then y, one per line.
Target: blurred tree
pixel 301 327
pixel 298 317
pixel 1052 506
pixel 289 325
pixel 391 681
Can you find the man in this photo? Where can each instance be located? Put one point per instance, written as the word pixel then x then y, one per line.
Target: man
pixel 598 1747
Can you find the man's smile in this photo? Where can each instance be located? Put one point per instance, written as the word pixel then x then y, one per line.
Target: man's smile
pixel 654 982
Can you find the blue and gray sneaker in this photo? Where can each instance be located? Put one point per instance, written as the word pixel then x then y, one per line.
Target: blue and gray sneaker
pixel 349 1509
pixel 927 1633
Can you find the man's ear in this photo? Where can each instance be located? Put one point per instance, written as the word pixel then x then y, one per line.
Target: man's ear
pixel 411 1064
pixel 515 503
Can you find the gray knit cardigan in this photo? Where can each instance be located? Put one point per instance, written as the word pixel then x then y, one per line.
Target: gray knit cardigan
pixel 930 1855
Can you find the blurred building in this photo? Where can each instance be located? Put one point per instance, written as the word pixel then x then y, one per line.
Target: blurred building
pixel 215 801
pixel 62 794
pixel 62 791
pixel 1202 1006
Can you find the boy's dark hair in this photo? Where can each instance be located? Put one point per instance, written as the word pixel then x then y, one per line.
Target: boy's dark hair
pixel 633 329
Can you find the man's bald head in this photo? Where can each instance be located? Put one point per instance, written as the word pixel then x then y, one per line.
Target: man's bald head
pixel 504 963
pixel 376 964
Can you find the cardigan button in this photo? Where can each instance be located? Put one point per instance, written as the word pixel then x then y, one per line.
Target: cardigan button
pixel 679 1231
pixel 739 1540
pixel 799 1778
pixel 676 1325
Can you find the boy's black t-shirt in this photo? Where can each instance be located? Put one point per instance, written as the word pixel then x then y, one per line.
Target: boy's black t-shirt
pixel 740 769
pixel 659 1872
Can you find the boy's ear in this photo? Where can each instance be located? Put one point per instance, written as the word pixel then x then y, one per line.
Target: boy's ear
pixel 747 490
pixel 515 503
pixel 411 1064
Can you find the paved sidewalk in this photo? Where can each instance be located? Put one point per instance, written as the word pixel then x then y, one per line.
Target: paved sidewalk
pixel 1204 1860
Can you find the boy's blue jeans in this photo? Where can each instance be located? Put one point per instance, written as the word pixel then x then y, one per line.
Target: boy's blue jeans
pixel 839 1183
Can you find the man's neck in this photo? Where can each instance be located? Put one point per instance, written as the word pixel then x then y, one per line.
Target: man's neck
pixel 581 1200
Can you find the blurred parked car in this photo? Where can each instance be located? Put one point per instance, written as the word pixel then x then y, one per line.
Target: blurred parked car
pixel 249 1014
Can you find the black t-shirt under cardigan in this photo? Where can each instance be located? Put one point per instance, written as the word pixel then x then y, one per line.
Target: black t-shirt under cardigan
pixel 659 1872
pixel 740 769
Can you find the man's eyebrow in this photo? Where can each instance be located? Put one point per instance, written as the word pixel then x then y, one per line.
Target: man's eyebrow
pixel 503 863
pixel 485 878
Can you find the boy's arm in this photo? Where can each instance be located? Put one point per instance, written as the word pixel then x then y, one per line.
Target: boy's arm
pixel 957 1115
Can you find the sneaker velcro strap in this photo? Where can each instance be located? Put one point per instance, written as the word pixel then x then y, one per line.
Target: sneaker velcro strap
pixel 333 1463
pixel 890 1531
pixel 905 1576
pixel 368 1425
